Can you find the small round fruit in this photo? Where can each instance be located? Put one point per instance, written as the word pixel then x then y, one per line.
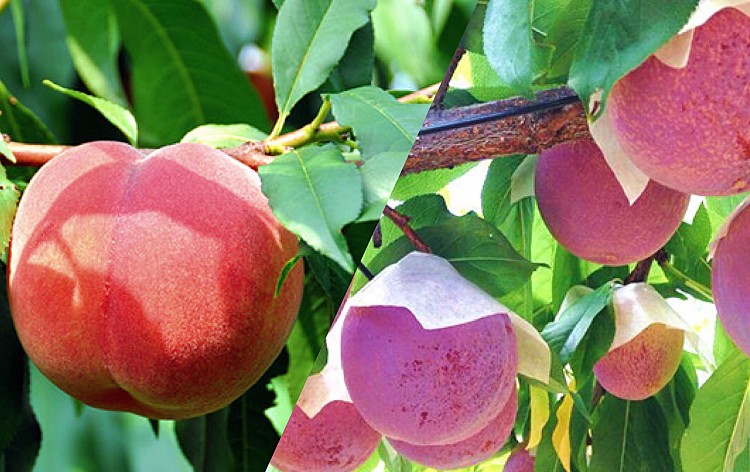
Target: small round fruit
pixel 644 365
pixel 519 461
pixel 337 439
pixel 587 211
pixel 731 280
pixel 145 283
pixel 427 386
pixel 467 452
pixel 689 128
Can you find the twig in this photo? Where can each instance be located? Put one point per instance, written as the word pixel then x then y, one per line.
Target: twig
pixel 493 129
pixel 253 154
pixel 402 222
pixel 437 102
pixel 641 270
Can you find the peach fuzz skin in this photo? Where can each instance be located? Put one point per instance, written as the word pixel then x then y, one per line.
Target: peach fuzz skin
pixel 146 283
pixel 427 387
pixel 689 128
pixel 644 365
pixel 469 451
pixel 337 439
pixel 587 211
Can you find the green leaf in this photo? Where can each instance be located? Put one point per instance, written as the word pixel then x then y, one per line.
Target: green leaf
pixel 381 123
pixel 20 123
pixel 19 20
pixel 117 115
pixel 223 136
pixel 508 43
pixel 618 36
pixel 496 204
pixel 9 196
pixel 20 436
pixel 205 443
pixel 314 192
pixel 475 248
pixel 356 67
pixel 379 175
pixel 563 32
pixel 309 39
pixel 423 183
pixel 719 419
pixel 565 333
pixel 404 40
pixel 251 435
pixel 94 44
pixel 629 436
pixel 719 208
pixel 182 75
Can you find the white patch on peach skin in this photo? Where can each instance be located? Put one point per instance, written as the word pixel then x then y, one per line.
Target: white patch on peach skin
pixel 426 285
pixel 638 306
pixel 675 53
pixel 632 180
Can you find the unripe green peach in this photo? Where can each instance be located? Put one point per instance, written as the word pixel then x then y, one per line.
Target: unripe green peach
pixel 145 283
pixel 689 128
pixel 644 365
pixel 587 211
pixel 337 439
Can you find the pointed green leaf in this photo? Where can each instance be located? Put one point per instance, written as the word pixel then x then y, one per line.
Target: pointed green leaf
pixel 94 44
pixel 309 39
pixel 380 122
pixel 20 123
pixel 719 419
pixel 117 115
pixel 618 36
pixel 222 136
pixel 314 192
pixel 182 74
pixel 508 43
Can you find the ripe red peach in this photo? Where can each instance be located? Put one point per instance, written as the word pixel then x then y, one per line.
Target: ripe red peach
pixel 689 128
pixel 145 283
pixel 337 439
pixel 731 280
pixel 644 365
pixel 467 452
pixel 587 211
pixel 424 386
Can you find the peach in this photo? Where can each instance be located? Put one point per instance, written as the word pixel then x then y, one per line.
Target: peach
pixel 467 452
pixel 145 283
pixel 519 461
pixel 337 439
pixel 689 128
pixel 731 280
pixel 587 211
pixel 644 365
pixel 423 386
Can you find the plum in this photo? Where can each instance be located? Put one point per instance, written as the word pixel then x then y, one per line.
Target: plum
pixel 145 283
pixel 587 211
pixel 423 386
pixel 337 439
pixel 689 128
pixel 469 451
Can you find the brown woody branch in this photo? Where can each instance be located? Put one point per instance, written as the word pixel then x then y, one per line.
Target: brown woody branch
pixel 524 133
pixel 402 222
pixel 252 154
pixel 519 134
